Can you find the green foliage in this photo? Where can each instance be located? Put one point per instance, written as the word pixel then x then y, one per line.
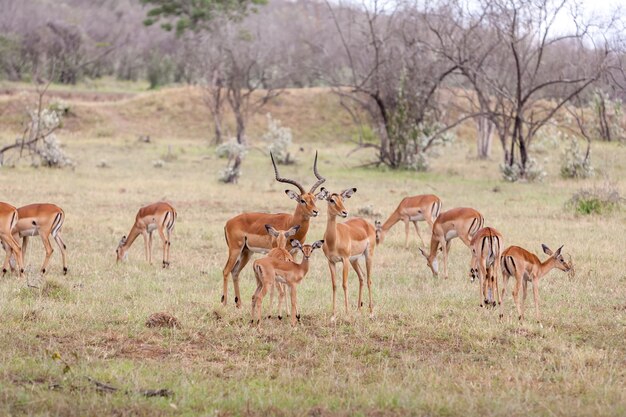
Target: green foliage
pixel 160 70
pixel 596 200
pixel 575 164
pixel 194 15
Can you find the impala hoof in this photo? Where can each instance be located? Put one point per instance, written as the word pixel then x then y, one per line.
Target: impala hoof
pixel 4 271
pixel 43 271
pixel 65 270
pixel 280 317
pixel 222 300
pixel 269 317
pixel 298 317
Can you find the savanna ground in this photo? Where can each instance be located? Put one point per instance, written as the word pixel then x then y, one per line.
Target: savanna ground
pixel 430 350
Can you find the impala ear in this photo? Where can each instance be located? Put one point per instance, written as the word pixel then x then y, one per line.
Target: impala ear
pixel 292 231
pixel 318 244
pixel 122 241
pixel 323 194
pixel 378 224
pixel 558 251
pixel 295 243
pixel 347 193
pixel 546 249
pixel 293 195
pixel 271 231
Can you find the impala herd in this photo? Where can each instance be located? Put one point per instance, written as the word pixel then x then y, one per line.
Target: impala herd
pixel 280 236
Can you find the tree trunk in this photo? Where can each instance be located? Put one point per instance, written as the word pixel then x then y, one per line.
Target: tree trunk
pixel 485 128
pixel 217 120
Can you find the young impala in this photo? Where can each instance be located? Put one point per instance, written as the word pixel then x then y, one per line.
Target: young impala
pixel 8 220
pixel 159 216
pixel 269 271
pixel 459 222
pixel 347 243
pixel 526 266
pixel 246 234
pixel 44 220
pixel 279 251
pixel 486 248
pixel 411 210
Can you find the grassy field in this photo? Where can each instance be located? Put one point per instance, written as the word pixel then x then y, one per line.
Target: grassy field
pixel 430 350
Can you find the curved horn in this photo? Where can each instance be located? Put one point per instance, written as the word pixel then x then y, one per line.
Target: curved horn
pixel 285 180
pixel 320 179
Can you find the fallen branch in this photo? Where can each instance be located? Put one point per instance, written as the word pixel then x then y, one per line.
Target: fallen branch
pixel 106 388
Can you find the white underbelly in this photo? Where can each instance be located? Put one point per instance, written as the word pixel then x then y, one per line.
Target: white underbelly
pixel 33 231
pixel 451 234
pixel 356 257
pixel 258 250
pixel 280 279
pixel 417 218
pixel 151 227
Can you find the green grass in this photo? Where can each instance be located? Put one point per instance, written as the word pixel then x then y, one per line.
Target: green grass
pixel 430 350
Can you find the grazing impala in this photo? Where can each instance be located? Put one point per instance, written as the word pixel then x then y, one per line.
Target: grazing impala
pixel 246 234
pixel 8 220
pixel 459 222
pixel 411 210
pixel 270 271
pixel 159 216
pixel 279 251
pixel 44 220
pixel 347 243
pixel 526 266
pixel 486 248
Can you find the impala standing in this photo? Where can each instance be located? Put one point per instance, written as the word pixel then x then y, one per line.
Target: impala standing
pixel 411 210
pixel 347 243
pixel 44 220
pixel 486 248
pixel 8 220
pixel 526 266
pixel 159 216
pixel 461 222
pixel 279 251
pixel 270 271
pixel 246 234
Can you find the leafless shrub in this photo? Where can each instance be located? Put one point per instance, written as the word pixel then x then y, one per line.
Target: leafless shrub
pixel 162 319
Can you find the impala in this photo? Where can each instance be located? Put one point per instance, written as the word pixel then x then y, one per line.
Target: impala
pixel 461 222
pixel 347 243
pixel 246 234
pixel 44 220
pixel 270 271
pixel 526 266
pixel 279 251
pixel 159 216
pixel 8 220
pixel 486 248
pixel 411 210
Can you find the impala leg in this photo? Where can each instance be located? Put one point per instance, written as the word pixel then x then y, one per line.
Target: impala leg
pixel 368 271
pixel 294 305
pixel 246 254
pixel 233 257
pixel 333 272
pixel 466 240
pixel 24 246
pixel 259 301
pixel 483 280
pixel 281 300
pixel 359 273
pixel 46 243
pixel 169 244
pixel 406 233
pixel 272 290
pixel 63 250
pixel 446 248
pixel 524 299
pixel 146 246
pixel 519 277
pixel 536 298
pixel 344 282
pixel 7 257
pixel 165 246
pixel 417 230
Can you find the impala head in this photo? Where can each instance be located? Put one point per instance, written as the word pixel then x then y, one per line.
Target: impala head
pixel 307 250
pixel 306 200
pixel 557 257
pixel 280 237
pixel 432 262
pixel 121 250
pixel 335 201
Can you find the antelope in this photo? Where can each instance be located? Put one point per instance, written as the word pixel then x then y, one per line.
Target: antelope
pixel 347 243
pixel 424 207
pixel 246 234
pixel 42 220
pixel 461 222
pixel 159 216
pixel 279 251
pixel 8 220
pixel 270 271
pixel 526 266
pixel 486 248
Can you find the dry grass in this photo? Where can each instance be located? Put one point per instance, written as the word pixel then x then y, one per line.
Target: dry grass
pixel 429 351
